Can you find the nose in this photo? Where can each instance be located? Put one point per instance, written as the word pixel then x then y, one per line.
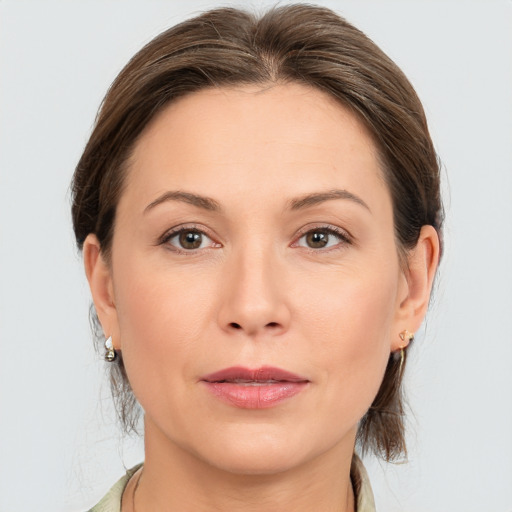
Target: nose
pixel 254 295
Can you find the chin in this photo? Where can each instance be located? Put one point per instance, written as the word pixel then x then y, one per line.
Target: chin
pixel 255 461
pixel 259 452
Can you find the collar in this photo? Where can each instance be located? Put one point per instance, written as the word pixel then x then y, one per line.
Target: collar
pixel 362 488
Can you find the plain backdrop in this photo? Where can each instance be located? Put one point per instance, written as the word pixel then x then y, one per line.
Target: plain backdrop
pixel 59 445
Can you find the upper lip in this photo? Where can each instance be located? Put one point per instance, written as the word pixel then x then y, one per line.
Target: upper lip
pixel 262 374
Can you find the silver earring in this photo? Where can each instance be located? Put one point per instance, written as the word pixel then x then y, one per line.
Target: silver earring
pixel 110 354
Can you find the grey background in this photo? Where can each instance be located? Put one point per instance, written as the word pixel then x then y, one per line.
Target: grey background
pixel 59 445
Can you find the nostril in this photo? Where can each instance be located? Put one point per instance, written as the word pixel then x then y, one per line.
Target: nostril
pixel 234 325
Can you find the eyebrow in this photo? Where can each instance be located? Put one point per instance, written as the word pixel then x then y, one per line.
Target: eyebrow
pixel 209 204
pixel 206 203
pixel 320 197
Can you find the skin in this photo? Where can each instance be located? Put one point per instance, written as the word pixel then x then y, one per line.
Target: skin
pixel 255 293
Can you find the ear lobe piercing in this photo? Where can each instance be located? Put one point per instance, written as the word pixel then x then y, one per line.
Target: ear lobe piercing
pixel 110 354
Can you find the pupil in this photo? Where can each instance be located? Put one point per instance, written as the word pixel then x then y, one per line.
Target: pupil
pixel 190 239
pixel 317 239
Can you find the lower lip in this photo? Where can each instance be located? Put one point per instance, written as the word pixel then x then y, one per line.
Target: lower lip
pixel 259 396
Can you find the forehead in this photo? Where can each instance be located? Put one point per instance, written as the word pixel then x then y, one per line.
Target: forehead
pixel 282 138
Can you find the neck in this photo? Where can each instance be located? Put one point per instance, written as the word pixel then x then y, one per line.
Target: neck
pixel 175 479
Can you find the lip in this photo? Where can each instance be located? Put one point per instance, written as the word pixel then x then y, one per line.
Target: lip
pixel 259 388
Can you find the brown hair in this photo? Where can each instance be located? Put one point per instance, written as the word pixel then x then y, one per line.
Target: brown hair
pixel 295 43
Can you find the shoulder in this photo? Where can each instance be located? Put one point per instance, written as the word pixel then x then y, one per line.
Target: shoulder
pixel 111 502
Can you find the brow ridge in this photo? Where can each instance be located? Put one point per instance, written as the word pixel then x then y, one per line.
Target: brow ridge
pixel 206 203
pixel 319 197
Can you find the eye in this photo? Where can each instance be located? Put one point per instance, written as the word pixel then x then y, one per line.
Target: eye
pixel 188 239
pixel 322 238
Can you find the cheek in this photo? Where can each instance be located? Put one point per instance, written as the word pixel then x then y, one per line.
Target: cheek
pixel 352 323
pixel 162 318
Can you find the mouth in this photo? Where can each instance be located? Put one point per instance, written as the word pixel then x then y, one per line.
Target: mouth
pixel 259 388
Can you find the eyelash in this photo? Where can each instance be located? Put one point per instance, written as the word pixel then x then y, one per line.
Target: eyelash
pixel 343 237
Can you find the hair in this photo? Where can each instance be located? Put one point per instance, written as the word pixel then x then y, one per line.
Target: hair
pixel 302 44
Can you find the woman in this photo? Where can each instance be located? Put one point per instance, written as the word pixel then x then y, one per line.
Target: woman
pixel 259 212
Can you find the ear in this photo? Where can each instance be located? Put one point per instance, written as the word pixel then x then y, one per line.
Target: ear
pixel 100 282
pixel 422 262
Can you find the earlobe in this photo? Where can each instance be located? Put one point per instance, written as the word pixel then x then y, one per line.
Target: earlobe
pixel 421 269
pixel 99 277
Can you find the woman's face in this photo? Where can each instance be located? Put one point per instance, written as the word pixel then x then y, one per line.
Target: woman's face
pixel 255 232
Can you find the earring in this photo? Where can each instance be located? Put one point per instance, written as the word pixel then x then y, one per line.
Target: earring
pixel 402 359
pixel 406 336
pixel 110 355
